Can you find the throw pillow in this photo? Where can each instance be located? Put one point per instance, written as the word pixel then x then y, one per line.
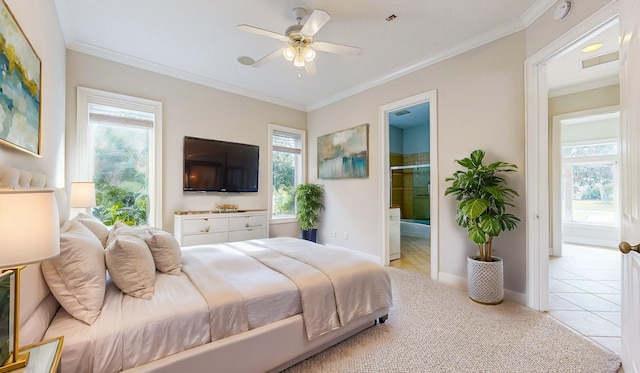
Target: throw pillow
pixel 77 277
pixel 131 265
pixel 95 226
pixel 165 250
pixel 120 228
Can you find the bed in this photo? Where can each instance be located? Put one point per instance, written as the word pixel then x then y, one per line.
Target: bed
pixel 250 306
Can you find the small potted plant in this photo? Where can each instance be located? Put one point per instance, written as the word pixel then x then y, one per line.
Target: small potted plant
pixel 483 197
pixel 308 205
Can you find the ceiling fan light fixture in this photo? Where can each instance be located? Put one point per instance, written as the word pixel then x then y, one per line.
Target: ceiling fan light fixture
pixel 289 53
pixel 309 54
pixel 298 60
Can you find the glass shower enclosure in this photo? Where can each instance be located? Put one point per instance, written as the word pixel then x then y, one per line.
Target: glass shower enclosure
pixel 410 190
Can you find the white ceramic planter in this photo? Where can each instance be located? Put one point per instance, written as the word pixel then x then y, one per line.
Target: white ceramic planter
pixel 485 280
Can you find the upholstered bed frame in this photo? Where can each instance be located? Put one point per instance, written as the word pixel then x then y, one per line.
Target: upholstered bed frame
pixel 272 347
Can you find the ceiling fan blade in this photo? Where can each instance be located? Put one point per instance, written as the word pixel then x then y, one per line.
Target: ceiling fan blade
pixel 275 54
pixel 315 22
pixel 311 69
pixel 262 32
pixel 336 48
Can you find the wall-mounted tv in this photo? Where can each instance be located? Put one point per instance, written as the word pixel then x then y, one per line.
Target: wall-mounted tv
pixel 220 166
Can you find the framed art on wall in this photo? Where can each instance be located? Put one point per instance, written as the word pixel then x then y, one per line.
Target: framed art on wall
pixel 344 154
pixel 20 81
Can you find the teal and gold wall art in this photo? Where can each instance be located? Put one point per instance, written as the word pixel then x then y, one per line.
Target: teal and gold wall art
pixel 344 154
pixel 19 87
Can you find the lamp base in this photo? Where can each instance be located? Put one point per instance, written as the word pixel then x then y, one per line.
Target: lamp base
pixel 20 362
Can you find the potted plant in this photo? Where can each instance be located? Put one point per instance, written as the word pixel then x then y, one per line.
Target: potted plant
pixel 483 197
pixel 308 205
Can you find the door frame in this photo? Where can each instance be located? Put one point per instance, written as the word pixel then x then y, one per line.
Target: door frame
pixel 385 195
pixel 537 152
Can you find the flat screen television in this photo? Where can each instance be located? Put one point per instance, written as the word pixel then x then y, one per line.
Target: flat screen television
pixel 220 166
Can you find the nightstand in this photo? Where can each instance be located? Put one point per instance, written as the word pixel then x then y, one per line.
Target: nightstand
pixel 43 356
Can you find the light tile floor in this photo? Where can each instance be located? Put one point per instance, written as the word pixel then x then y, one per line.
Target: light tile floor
pixel 415 255
pixel 584 293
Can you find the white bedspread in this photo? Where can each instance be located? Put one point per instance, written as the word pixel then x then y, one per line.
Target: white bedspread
pixel 132 331
pixel 225 289
pixel 360 285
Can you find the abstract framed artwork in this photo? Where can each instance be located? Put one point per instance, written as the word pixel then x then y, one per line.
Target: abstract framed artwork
pixel 19 87
pixel 344 154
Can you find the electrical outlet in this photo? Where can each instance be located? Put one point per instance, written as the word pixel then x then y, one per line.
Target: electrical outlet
pixel 334 234
pixel 346 235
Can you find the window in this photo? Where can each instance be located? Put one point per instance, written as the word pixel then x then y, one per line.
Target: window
pixel 117 137
pixel 589 177
pixel 287 170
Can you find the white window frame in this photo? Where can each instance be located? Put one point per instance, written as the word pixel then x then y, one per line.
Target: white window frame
pixel 86 96
pixel 568 163
pixel 300 177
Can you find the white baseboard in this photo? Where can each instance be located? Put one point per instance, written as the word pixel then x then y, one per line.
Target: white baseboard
pixel 461 283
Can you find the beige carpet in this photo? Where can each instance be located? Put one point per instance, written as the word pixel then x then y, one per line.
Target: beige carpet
pixel 436 328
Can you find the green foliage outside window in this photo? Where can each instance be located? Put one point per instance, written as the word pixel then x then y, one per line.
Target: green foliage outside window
pixel 283 183
pixel 593 182
pixel 121 167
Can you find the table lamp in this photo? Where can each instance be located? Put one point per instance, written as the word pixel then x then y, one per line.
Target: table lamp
pixel 83 195
pixel 29 233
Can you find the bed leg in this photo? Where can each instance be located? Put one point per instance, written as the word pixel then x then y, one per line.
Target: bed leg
pixel 382 319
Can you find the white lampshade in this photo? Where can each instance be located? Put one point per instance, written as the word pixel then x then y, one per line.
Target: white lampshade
pixel 30 228
pixel 289 53
pixel 83 194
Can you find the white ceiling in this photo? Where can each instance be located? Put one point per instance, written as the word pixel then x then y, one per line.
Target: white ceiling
pixel 565 74
pixel 197 40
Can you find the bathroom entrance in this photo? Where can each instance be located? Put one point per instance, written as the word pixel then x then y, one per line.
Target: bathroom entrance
pixel 410 173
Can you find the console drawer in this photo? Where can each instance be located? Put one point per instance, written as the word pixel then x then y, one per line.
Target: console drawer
pixel 237 223
pixel 204 225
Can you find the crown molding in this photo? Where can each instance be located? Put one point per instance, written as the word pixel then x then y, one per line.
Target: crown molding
pixel 466 46
pixel 535 11
pixel 178 74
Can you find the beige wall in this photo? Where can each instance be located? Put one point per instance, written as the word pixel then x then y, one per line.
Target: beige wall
pixel 188 109
pixel 43 31
pixel 480 105
pixel 585 100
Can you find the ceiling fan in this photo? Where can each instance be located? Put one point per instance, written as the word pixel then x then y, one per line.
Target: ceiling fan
pixel 301 47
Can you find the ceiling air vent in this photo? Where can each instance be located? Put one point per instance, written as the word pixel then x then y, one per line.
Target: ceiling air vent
pixel 401 112
pixel 599 60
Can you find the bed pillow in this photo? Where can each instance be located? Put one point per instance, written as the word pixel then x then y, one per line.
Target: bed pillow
pixel 77 277
pixel 95 226
pixel 131 265
pixel 120 228
pixel 165 251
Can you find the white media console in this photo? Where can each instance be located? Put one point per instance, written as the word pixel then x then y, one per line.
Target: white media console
pixel 204 227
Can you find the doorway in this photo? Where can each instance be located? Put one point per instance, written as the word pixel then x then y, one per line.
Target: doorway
pixel 539 210
pixel 418 203
pixel 575 272
pixel 410 168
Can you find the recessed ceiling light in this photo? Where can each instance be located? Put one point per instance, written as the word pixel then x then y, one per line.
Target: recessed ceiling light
pixel 592 47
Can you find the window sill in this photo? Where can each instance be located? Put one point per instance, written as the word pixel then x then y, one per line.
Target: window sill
pixel 283 220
